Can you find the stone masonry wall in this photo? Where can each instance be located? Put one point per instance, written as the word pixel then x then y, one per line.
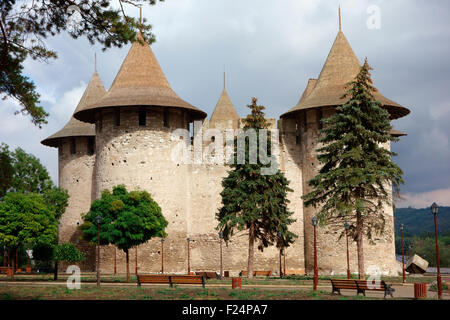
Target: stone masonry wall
pixel 75 175
pixel 189 195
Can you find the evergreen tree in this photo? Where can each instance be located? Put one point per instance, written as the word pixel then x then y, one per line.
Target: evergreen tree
pixel 253 201
pixel 358 174
pixel 128 219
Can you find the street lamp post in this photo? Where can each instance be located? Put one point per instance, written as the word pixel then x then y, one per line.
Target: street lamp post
pixel 434 210
pixel 403 254
pixel 347 227
pixel 316 271
pixel 221 258
pixel 99 221
pixel 115 260
pixel 188 256
pixel 136 258
pixel 162 255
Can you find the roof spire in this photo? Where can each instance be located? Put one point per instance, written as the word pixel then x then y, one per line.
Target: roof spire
pixel 340 25
pixel 140 13
pixel 95 61
pixel 224 80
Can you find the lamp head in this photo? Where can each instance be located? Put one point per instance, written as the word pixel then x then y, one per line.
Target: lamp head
pixel 434 208
pixel 314 221
pixel 346 225
pixel 99 219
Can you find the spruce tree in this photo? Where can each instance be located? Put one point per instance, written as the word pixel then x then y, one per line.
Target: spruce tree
pixel 358 174
pixel 253 201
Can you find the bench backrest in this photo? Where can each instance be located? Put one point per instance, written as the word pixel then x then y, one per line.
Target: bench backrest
pixel 343 283
pixel 371 285
pixel 187 279
pixel 153 278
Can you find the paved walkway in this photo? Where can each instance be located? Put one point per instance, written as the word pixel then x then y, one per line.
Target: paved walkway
pixel 401 290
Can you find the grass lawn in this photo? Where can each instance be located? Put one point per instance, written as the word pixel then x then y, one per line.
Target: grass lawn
pixel 289 280
pixel 54 292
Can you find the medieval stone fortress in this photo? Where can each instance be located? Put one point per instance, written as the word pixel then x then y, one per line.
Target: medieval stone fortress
pixel 124 136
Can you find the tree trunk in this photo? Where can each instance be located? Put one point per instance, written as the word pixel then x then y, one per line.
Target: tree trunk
pixel 55 272
pixel 251 244
pixel 359 244
pixel 13 265
pixel 128 265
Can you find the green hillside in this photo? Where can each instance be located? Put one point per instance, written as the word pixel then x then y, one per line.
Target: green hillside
pixel 420 221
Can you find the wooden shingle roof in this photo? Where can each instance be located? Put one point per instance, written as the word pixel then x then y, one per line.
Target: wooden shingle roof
pixel 139 82
pixel 75 128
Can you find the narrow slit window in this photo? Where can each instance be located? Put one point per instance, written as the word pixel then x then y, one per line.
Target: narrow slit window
pixel 319 118
pixel 142 116
pixel 117 117
pixel 91 145
pixel 100 123
pixel 166 118
pixel 73 146
pixel 60 148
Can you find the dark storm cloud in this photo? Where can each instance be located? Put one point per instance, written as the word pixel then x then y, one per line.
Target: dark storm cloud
pixel 269 49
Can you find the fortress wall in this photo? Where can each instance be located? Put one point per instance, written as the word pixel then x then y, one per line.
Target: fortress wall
pixel 189 195
pixel 75 175
pixel 331 246
pixel 291 166
pixel 140 157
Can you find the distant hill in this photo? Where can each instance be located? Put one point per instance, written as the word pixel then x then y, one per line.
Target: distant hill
pixel 420 221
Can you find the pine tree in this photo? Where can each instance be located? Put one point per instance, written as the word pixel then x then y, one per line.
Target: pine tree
pixel 253 201
pixel 358 174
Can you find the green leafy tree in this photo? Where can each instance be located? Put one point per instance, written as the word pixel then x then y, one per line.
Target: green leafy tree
pixel 26 220
pixel 58 200
pixel 253 201
pixel 67 252
pixel 128 219
pixel 6 169
pixel 22 172
pixel 29 175
pixel 355 180
pixel 24 26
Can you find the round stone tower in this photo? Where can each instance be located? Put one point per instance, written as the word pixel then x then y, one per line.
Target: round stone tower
pixel 301 124
pixel 76 158
pixel 134 122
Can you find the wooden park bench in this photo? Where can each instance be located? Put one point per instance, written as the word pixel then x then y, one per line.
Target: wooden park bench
pixel 257 273
pixel 361 286
pixel 170 279
pixel 5 269
pixel 207 274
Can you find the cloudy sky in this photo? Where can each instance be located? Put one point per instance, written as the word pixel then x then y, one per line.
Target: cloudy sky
pixel 269 50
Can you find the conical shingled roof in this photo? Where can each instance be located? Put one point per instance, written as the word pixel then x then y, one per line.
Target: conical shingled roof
pixel 224 109
pixel 139 82
pixel 75 128
pixel 341 67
